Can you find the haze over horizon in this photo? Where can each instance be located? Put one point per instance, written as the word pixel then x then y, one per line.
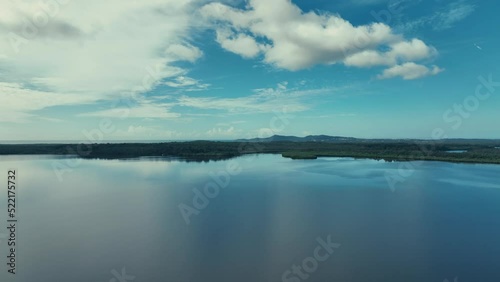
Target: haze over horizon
pixel 231 69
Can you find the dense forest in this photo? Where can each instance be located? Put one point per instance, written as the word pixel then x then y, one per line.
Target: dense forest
pixel 474 151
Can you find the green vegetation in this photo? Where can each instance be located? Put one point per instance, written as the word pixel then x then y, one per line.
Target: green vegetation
pixel 477 151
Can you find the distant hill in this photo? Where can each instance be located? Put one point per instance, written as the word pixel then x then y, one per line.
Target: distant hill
pixel 342 139
pixel 310 138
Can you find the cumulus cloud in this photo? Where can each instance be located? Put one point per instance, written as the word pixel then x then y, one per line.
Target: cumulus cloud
pixel 409 71
pixel 240 44
pixel 413 50
pixel 291 39
pixel 54 54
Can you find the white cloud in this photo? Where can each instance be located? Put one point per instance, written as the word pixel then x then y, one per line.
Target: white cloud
pixel 240 44
pixel 291 39
pixel 184 81
pixel 265 100
pixel 185 52
pixel 149 131
pixel 409 71
pixel 368 58
pixel 145 110
pixel 403 51
pixel 93 49
pixel 411 50
pixel 454 13
pixel 142 132
pixel 218 131
pixel 250 104
pixel 18 103
pixel 283 85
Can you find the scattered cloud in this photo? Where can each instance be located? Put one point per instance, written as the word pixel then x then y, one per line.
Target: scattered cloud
pixel 241 44
pixel 223 132
pixel 293 40
pixel 145 132
pixel 413 50
pixel 188 83
pixel 409 71
pixel 283 85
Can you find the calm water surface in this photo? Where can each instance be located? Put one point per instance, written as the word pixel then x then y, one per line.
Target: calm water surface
pixel 457 151
pixel 442 222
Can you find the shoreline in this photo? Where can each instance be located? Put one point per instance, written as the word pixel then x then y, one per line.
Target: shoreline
pixel 478 153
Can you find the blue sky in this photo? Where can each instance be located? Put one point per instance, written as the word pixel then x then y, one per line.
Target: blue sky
pixel 181 70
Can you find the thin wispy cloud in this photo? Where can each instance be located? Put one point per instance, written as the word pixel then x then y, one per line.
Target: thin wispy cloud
pixel 19 103
pixel 145 110
pixel 444 18
pixel 187 83
pixel 256 103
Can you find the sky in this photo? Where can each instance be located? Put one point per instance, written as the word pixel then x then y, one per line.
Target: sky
pixel 99 70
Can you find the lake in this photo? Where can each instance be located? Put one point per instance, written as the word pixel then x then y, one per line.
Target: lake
pixel 252 219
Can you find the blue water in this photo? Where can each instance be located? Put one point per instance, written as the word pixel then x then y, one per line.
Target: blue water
pixel 103 216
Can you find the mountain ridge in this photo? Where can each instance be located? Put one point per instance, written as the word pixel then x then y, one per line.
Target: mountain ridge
pixel 309 138
pixel 344 139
